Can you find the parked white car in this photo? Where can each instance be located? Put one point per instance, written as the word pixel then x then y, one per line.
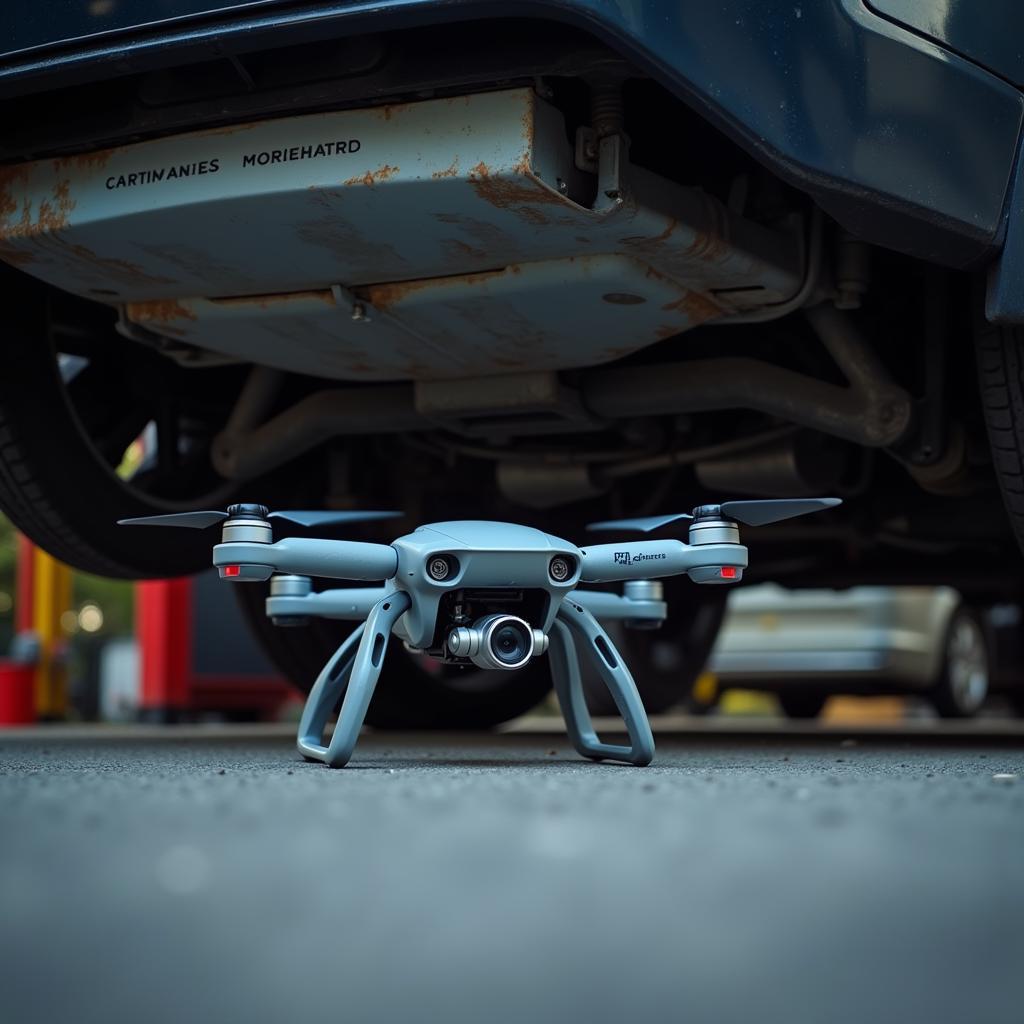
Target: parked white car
pixel 805 645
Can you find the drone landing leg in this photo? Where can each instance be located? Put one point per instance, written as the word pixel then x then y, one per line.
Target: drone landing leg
pixel 575 628
pixel 326 692
pixel 355 675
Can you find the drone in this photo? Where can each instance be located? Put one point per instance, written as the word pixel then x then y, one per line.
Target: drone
pixel 490 594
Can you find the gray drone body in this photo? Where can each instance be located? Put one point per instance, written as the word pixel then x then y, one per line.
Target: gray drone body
pixel 494 595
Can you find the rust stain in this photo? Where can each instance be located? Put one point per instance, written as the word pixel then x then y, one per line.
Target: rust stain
pixel 372 178
pixel 450 171
pixel 52 216
pixel 529 122
pixel 160 311
pixel 279 299
pixel 385 296
pixel 696 307
pixel 344 242
pixel 486 236
pixel 457 251
pixel 15 256
pixel 646 242
pixel 10 178
pixel 43 236
pixel 524 165
pixel 522 193
pixel 387 112
pixel 119 271
pixel 709 247
pixel 84 161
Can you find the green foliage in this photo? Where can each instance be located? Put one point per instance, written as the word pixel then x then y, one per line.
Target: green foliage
pixel 114 597
pixel 8 557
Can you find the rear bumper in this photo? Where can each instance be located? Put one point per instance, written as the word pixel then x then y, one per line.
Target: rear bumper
pixel 905 143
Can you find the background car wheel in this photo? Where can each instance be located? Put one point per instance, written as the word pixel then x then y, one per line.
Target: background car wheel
pixel 963 683
pixel 414 691
pixel 802 704
pixel 74 395
pixel 666 662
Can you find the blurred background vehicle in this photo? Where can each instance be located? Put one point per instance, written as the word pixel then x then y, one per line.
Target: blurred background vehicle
pixel 807 645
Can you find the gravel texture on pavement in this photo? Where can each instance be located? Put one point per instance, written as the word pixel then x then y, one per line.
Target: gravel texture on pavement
pixel 782 877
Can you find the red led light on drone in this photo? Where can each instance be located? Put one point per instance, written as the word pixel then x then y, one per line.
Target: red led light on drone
pixel 232 570
pixel 727 572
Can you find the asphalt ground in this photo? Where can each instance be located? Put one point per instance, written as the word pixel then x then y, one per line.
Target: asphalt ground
pixel 758 876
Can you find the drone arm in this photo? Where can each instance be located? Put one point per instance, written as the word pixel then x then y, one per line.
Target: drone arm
pixel 345 603
pixel 650 559
pixel 309 556
pixel 608 607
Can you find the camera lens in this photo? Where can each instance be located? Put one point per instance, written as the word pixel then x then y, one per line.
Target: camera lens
pixel 509 644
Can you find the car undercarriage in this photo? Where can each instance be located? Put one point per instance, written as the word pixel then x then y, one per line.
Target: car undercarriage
pixel 495 269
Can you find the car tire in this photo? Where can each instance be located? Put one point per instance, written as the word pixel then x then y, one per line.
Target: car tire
pixel 965 675
pixel 1000 356
pixel 666 663
pixel 60 444
pixel 414 691
pixel 802 704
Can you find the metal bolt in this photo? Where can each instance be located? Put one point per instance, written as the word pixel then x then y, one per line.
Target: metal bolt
pixel 439 568
pixel 560 569
pixel 359 312
pixel 563 188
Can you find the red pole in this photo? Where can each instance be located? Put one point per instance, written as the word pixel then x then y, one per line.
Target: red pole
pixel 17 681
pixel 163 611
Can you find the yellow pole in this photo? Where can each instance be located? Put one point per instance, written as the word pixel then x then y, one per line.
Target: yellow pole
pixel 51 598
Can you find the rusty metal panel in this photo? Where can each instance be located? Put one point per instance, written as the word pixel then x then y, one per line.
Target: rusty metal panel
pixel 288 205
pixel 462 223
pixel 544 315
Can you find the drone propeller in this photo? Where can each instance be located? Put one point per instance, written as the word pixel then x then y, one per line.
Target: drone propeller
pixel 751 513
pixel 202 520
pixel 645 524
pixel 774 510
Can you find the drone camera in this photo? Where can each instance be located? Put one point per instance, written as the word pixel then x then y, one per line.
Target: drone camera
pixel 504 642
